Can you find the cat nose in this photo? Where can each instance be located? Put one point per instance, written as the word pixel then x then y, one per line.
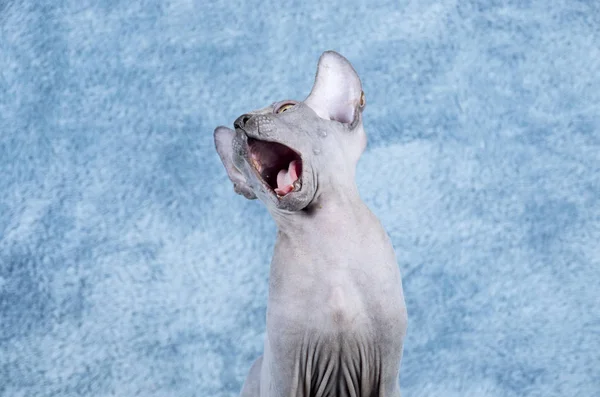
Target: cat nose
pixel 241 121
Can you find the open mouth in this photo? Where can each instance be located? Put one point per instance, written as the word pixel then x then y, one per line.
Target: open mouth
pixel 279 166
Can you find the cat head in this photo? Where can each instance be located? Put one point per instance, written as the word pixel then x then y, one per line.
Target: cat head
pixel 292 152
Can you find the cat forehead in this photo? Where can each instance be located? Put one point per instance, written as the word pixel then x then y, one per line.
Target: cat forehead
pixel 270 109
pixel 298 107
pixel 265 110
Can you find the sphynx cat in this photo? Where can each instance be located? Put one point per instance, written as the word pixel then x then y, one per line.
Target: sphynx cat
pixel 336 317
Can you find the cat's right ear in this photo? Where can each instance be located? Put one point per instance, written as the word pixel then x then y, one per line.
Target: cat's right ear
pixel 224 144
pixel 337 92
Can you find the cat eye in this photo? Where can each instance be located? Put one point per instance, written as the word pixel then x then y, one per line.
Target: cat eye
pixel 284 107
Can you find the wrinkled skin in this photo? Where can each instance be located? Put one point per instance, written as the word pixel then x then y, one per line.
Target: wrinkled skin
pixel 336 317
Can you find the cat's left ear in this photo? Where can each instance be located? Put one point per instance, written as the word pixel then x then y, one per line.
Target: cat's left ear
pixel 224 144
pixel 337 92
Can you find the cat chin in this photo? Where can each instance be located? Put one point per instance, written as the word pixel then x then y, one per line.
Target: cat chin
pixel 294 201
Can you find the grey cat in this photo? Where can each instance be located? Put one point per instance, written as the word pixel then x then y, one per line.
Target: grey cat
pixel 336 317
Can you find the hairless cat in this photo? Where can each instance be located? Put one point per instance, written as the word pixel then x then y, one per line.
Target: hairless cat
pixel 336 317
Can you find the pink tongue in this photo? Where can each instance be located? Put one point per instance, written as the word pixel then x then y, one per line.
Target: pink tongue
pixel 286 178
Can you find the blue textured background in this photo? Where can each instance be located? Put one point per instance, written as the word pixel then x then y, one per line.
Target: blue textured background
pixel 129 267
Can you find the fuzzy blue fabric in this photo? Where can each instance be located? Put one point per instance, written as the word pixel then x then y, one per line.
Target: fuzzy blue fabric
pixel 128 266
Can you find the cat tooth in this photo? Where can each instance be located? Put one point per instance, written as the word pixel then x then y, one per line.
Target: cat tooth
pixel 297 185
pixel 255 164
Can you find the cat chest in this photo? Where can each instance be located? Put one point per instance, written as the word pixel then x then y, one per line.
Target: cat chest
pixel 338 299
pixel 340 313
pixel 340 363
pixel 340 333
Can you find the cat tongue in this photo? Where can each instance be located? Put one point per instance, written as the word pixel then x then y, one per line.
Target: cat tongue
pixel 286 178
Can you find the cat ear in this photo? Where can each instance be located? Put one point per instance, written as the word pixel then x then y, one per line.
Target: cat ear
pixel 337 93
pixel 224 144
